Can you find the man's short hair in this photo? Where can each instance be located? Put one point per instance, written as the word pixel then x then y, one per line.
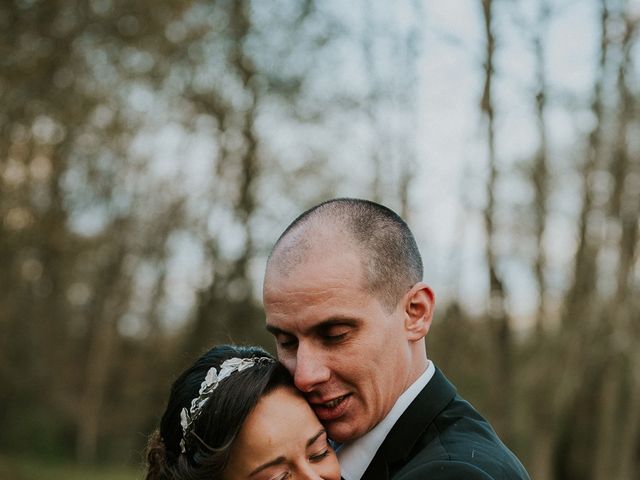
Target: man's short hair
pixel 390 255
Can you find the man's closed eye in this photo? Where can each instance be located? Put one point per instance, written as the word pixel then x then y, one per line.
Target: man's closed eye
pixel 287 343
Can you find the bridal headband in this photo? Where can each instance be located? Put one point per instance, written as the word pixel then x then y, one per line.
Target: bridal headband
pixel 208 385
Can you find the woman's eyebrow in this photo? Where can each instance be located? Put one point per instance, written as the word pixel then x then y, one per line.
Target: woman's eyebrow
pixel 315 437
pixel 271 463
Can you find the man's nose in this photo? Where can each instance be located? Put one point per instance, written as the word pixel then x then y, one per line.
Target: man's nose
pixel 311 368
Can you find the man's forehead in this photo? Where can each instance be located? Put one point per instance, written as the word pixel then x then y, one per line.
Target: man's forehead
pixel 288 254
pixel 313 243
pixel 321 275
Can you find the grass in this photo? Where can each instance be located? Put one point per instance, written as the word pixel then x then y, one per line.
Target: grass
pixel 21 468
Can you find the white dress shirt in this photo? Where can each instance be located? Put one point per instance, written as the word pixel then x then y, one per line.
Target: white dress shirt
pixel 355 457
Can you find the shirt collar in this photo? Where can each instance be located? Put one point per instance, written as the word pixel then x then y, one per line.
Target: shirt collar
pixel 355 457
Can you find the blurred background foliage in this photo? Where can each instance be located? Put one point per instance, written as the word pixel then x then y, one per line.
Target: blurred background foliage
pixel 151 153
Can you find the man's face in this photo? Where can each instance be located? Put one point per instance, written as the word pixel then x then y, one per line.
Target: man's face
pixel 348 354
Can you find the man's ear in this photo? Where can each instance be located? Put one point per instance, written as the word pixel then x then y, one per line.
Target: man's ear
pixel 419 304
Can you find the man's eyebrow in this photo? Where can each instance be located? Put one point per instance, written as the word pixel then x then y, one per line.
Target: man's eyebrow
pixel 316 437
pixel 275 330
pixel 330 322
pixel 276 461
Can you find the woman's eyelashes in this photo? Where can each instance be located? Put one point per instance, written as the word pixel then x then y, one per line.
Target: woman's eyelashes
pixel 282 476
pixel 319 447
pixel 318 457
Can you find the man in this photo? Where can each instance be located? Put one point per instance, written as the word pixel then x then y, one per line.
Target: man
pixel 344 298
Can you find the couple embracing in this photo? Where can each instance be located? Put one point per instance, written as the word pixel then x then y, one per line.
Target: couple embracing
pixel 352 393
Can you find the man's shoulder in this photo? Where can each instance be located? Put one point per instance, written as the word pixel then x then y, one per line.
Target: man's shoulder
pixel 443 470
pixel 459 443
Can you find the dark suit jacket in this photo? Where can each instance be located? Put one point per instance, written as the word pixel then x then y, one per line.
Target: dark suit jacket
pixel 442 437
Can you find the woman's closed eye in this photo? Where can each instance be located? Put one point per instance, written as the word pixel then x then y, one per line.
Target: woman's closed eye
pixel 278 470
pixel 282 476
pixel 318 457
pixel 318 447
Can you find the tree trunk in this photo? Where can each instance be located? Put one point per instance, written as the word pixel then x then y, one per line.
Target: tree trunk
pixel 540 173
pixel 103 344
pixel 498 316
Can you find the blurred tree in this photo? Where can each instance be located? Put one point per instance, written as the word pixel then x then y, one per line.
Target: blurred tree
pixel 498 317
pixel 90 226
pixel 72 228
pixel 623 212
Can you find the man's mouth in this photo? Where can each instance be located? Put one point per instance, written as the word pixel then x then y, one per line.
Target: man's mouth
pixel 332 409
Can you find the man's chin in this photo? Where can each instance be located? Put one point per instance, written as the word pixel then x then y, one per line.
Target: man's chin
pixel 341 431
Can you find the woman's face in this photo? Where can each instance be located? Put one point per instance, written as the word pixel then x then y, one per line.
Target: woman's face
pixel 282 440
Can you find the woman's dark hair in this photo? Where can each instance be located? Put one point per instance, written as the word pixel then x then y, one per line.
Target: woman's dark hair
pixel 209 440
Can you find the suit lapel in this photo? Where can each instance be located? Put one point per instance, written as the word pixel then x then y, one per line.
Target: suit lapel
pixel 396 448
pixel 416 419
pixel 378 468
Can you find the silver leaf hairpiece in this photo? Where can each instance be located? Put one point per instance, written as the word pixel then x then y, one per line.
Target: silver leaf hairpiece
pixel 211 381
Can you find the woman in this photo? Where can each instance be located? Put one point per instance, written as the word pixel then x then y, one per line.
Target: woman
pixel 234 415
